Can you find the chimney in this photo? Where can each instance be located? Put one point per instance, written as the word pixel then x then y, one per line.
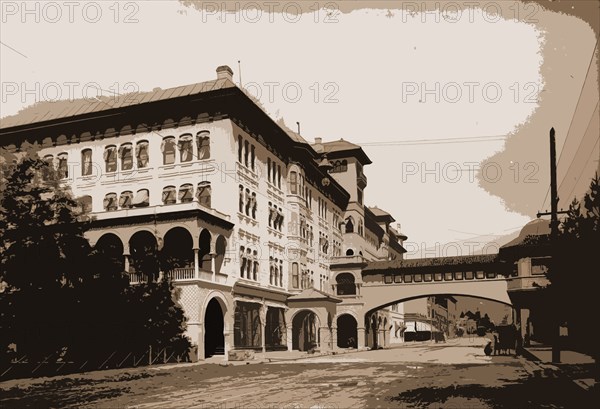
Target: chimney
pixel 318 145
pixel 224 72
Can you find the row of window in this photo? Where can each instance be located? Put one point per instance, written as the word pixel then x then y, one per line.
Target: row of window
pixel 339 166
pixel 186 194
pixel 275 217
pixel 249 264
pixel 125 155
pixel 274 173
pixel 169 196
pixel 246 153
pixel 298 186
pixel 247 202
pixel 322 208
pixel 126 200
pixel 427 277
pixel 275 272
pixel 302 278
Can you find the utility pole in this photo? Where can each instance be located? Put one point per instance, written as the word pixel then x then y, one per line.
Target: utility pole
pixel 553 230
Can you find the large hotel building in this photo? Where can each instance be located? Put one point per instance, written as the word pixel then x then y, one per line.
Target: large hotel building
pixel 259 224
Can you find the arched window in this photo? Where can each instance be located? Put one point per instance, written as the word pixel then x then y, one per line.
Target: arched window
pixel 168 195
pixel 141 199
pixel 63 166
pixel 246 152
pixel 47 171
pixel 186 150
pixel 110 202
pixel 360 227
pixel 241 199
pixel 110 158
pixel 345 284
pixel 349 252
pixel 203 143
pixel 239 149
pixel 293 182
pixel 295 278
pixel 84 204
pixel 126 199
pixel 203 194
pixel 126 155
pixel 86 162
pixel 350 225
pixel 252 157
pixel 141 154
pixel 168 149
pixel 344 166
pixel 186 194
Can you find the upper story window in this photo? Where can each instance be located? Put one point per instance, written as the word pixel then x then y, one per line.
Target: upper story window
pixel 126 199
pixel 168 195
pixel 246 152
pixel 360 196
pixel 86 162
pixel 141 153
pixel 186 149
pixel 295 278
pixel 186 193
pixel 63 166
pixel 204 192
pixel 269 169
pixel 47 171
pixel 340 166
pixel 293 182
pixel 168 149
pixel 110 158
pixel 252 157
pixel 203 143
pixel 142 198
pixel 126 155
pixel 350 225
pixel 84 204
pixel 279 176
pixel 360 227
pixel 110 202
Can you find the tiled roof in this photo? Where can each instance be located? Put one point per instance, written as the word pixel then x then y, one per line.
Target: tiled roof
pixel 47 111
pixel 381 213
pixel 312 294
pixel 431 262
pixel 336 146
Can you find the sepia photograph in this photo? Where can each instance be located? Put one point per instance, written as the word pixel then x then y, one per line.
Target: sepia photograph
pixel 299 204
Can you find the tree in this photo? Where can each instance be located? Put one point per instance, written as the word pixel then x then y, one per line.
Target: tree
pixel 573 279
pixel 57 294
pixel 43 255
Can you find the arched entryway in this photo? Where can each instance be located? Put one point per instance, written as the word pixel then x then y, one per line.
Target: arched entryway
pixel 214 340
pixel 347 331
pixel 305 331
pixel 143 249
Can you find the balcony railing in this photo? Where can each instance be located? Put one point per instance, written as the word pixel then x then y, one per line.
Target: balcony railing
pixel 182 274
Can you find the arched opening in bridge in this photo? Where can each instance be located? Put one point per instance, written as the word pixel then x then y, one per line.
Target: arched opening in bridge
pixel 214 340
pixel 305 331
pixel 347 331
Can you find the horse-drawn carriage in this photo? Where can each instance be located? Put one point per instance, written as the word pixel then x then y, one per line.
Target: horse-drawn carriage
pixel 507 340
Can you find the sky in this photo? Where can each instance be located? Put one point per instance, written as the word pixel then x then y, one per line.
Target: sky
pixel 403 83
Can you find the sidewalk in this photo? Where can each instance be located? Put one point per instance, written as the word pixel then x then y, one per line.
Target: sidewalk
pixel 578 367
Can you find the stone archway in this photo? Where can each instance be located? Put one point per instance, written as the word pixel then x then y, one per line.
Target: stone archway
pixel 214 325
pixel 305 330
pixel 347 331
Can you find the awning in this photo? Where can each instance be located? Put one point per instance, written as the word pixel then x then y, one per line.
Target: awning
pixel 141 198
